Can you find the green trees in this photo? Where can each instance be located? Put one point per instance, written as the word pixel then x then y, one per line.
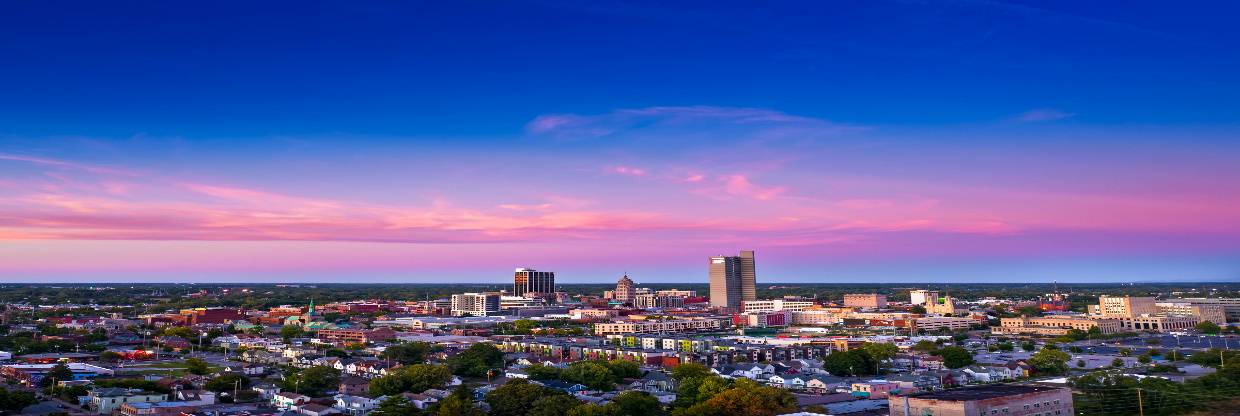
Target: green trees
pixel 746 398
pixel 1117 363
pixel 554 405
pixel 636 403
pixel 1207 327
pixel 1028 346
pixel 396 406
pixel 407 353
pixel 690 370
pixel 850 363
pixel 228 382
pixel 1050 361
pixel 1006 346
pixel 518 396
pixel 955 357
pixel 197 366
pixel 542 372
pixel 59 372
pixel 14 401
pixel 290 331
pixel 925 346
pixel 590 374
pixel 476 360
pixel 880 352
pixel 312 381
pixel 1144 359
pixel 414 378
pixel 622 369
pixel 459 403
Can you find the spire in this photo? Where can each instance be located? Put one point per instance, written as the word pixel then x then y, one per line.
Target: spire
pixel 310 310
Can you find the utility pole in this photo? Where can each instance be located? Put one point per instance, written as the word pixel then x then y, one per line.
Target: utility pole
pixel 1140 406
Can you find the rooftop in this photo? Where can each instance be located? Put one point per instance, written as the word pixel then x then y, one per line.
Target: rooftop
pixel 984 392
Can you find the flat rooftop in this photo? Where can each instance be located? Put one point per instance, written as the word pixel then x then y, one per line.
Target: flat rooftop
pixel 984 392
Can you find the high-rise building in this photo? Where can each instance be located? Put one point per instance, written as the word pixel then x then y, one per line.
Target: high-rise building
pixel 475 304
pixel 919 297
pixel 1126 306
pixel 625 290
pixel 732 280
pixel 532 281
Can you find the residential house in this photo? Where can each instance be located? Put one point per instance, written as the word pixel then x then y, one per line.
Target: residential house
pixel 104 401
pixel 823 384
pixel 315 409
pixel 356 405
pixel 289 400
pixel 354 386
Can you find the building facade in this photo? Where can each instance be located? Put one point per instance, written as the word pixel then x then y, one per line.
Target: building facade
pixel 732 280
pixel 532 281
pixel 625 290
pixel 1126 306
pixel 867 300
pixel 1054 325
pixel 475 304
pixel 1231 306
pixel 997 399
pixel 664 326
pixel 775 305
pixel 1212 312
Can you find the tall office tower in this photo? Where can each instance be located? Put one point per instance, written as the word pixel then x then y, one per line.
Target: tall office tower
pixel 625 290
pixel 532 281
pixel 732 280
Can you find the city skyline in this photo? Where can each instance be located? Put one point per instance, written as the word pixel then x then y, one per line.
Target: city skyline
pixel 983 142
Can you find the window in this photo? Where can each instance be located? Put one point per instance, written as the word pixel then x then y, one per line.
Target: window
pixel 1057 402
pixel 1026 407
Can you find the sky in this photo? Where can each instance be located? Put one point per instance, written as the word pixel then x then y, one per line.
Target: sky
pixel 428 142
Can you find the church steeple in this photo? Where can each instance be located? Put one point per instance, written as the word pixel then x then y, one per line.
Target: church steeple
pixel 310 310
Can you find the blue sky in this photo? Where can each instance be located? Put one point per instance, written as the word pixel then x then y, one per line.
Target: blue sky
pixel 836 137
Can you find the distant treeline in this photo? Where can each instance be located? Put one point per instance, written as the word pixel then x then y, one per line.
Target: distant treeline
pixel 153 297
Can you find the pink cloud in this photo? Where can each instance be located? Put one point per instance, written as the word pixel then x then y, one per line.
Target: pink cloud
pixel 740 185
pixel 628 170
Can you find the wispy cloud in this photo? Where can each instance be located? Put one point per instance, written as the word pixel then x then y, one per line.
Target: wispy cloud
pixel 577 126
pixel 66 164
pixel 1043 114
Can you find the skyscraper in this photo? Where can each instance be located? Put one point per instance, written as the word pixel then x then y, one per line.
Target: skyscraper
pixel 625 291
pixel 732 280
pixel 532 281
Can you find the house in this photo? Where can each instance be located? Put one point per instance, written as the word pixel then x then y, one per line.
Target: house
pixel 1019 368
pixel 289 400
pixel 315 409
pixel 567 387
pixel 354 386
pixel 266 390
pixel 195 397
pixel 654 382
pixel 356 405
pixel 987 373
pixel 104 401
pixel 791 382
pixel 916 382
pixel 931 362
pixel 420 400
pixel 874 389
pixel 824 384
pixel 253 369
pixel 749 371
